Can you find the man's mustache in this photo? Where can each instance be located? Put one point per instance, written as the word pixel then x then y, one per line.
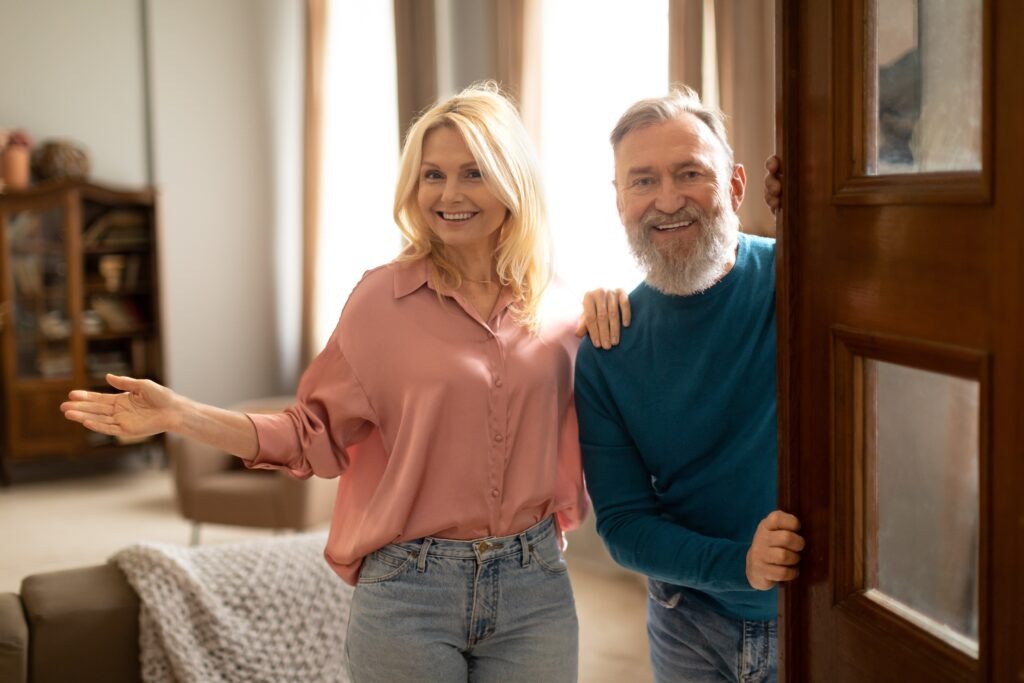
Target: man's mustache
pixel 654 217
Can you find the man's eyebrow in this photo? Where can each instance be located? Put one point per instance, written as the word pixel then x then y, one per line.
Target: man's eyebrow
pixel 640 170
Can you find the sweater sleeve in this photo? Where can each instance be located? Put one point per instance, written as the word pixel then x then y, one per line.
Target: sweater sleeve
pixel 629 518
pixel 331 412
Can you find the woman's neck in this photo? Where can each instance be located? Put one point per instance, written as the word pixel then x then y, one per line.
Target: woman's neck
pixel 476 265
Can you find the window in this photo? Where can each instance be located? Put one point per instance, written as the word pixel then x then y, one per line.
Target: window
pixel 596 62
pixel 360 156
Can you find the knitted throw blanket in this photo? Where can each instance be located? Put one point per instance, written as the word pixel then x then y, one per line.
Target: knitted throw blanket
pixel 265 610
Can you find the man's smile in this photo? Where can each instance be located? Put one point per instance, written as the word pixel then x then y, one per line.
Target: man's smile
pixel 667 227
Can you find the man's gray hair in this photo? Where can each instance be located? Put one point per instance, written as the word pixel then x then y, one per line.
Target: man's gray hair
pixel 681 100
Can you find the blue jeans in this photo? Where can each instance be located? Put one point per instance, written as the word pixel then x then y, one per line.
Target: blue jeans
pixel 693 644
pixel 495 610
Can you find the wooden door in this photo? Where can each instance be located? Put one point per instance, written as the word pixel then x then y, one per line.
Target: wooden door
pixel 901 338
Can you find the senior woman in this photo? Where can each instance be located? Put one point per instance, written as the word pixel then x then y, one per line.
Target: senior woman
pixel 443 402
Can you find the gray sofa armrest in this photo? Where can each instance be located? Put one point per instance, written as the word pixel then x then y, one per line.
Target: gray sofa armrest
pixel 84 624
pixel 13 640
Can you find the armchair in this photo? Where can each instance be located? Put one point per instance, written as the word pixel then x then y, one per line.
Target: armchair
pixel 215 488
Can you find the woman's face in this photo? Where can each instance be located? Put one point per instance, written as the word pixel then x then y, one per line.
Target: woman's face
pixel 456 202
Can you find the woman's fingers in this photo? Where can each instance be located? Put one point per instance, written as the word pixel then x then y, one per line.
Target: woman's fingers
pixel 624 307
pixel 611 302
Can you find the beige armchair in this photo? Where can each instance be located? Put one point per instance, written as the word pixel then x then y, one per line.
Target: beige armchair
pixel 215 488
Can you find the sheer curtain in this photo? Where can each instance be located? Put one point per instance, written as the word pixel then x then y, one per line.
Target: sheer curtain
pixel 359 151
pixel 723 49
pixel 625 55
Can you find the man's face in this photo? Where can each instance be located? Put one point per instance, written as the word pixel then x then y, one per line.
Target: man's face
pixel 677 196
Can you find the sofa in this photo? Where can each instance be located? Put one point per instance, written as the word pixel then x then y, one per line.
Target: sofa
pixel 165 612
pixel 72 625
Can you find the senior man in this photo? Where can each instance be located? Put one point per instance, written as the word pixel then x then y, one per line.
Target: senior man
pixel 678 422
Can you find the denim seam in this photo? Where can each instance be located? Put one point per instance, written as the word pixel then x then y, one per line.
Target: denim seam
pixel 388 576
pixel 544 565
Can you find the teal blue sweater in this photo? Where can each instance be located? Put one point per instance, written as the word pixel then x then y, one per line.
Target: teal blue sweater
pixel 679 433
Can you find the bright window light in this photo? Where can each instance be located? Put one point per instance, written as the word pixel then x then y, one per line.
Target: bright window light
pixel 360 155
pixel 597 60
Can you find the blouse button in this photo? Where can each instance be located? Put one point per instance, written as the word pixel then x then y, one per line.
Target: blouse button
pixel 495 493
pixel 498 382
pixel 499 438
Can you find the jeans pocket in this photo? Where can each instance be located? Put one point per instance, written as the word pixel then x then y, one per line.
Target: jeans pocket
pixel 663 594
pixel 380 566
pixel 548 556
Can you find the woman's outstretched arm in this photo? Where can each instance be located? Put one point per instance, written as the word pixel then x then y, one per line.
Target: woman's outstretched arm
pixel 144 408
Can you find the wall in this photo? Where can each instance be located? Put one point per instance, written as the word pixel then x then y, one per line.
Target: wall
pixel 221 86
pixel 225 84
pixel 74 69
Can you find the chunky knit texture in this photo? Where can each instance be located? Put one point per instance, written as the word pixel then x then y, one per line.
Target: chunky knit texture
pixel 266 610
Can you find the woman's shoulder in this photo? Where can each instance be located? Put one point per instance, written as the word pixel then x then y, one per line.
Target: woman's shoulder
pixel 388 281
pixel 375 289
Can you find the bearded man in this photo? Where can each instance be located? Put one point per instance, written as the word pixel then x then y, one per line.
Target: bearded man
pixel 678 422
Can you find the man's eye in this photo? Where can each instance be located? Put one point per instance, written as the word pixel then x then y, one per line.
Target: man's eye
pixel 643 182
pixel 690 175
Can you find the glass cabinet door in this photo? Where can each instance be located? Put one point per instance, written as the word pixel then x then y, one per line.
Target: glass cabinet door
pixel 39 311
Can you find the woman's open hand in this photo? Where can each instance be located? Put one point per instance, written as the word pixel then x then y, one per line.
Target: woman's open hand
pixel 142 408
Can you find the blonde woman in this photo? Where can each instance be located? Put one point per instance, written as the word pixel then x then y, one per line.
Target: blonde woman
pixel 443 401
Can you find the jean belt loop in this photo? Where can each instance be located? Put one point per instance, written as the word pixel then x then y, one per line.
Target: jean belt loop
pixel 421 561
pixel 526 549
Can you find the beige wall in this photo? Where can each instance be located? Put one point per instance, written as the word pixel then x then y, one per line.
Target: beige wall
pixel 225 85
pixel 74 69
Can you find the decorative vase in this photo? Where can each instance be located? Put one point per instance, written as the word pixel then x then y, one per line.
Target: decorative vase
pixel 14 165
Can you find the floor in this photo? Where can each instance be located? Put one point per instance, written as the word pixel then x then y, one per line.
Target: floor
pixel 49 523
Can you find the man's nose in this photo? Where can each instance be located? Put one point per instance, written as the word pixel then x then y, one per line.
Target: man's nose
pixel 670 199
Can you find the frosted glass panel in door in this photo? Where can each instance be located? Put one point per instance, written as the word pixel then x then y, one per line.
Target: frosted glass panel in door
pixel 922 527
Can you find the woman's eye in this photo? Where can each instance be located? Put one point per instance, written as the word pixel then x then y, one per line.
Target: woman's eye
pixel 474 174
pixel 433 175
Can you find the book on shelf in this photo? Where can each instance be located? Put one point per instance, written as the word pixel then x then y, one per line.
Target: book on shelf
pixel 118 314
pixel 28 276
pixel 117 229
pixel 132 268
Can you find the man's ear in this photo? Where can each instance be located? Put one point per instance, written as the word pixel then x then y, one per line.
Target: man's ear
pixel 737 186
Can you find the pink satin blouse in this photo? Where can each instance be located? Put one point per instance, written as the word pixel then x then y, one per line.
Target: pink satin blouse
pixel 438 422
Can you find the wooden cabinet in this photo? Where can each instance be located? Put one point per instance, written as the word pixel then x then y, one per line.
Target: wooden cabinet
pixel 79 298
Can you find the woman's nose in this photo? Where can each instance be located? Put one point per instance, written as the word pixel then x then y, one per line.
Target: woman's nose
pixel 452 191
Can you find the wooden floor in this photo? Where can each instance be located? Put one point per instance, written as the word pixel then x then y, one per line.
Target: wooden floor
pixel 49 523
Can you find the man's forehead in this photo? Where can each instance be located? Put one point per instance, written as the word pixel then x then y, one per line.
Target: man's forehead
pixel 683 135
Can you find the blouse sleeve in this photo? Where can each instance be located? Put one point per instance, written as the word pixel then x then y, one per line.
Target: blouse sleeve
pixel 571 501
pixel 330 413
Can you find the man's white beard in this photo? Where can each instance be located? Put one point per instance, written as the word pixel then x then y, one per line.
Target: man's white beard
pixel 682 270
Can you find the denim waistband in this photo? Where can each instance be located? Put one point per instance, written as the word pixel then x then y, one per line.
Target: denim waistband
pixel 481 549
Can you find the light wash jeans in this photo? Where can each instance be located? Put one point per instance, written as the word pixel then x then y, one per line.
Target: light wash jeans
pixel 690 643
pixel 496 610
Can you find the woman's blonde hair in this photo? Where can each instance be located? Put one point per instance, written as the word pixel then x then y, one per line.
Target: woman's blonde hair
pixel 495 136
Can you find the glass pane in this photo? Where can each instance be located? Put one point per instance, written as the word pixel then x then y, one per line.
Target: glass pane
pixel 42 326
pixel 927 87
pixel 922 541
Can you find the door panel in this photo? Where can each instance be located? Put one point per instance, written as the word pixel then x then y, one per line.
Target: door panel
pixel 901 329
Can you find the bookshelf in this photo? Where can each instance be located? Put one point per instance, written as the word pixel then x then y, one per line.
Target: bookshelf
pixel 79 297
